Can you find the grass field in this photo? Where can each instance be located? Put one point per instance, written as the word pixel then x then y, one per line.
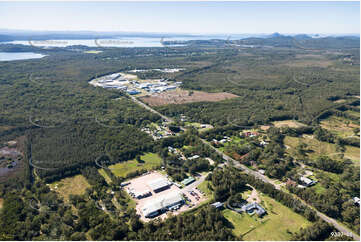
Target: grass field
pixel 75 185
pixel 319 175
pixel 204 188
pixel 105 175
pixel 340 126
pixel 198 126
pixel 319 189
pixel 321 148
pixel 353 153
pixel 194 124
pixel 278 224
pixel 151 160
pixel 353 113
pixel 187 147
pixel 242 222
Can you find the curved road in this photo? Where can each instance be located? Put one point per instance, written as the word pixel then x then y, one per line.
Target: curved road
pixel 258 175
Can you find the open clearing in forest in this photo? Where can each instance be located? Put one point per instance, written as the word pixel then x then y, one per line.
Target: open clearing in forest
pixel 151 162
pixel 278 224
pixel 75 185
pixel 340 126
pixel 318 148
pixel 180 96
pixel 288 123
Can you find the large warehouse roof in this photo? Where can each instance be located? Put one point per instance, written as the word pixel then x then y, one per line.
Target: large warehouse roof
pixel 161 203
pixel 158 184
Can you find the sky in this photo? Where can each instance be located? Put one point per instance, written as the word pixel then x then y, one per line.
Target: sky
pixel 184 17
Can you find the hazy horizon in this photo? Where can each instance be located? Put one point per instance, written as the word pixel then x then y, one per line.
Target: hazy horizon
pixel 177 33
pixel 184 17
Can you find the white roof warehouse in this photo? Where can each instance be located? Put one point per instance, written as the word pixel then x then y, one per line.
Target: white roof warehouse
pixel 155 206
pixel 159 184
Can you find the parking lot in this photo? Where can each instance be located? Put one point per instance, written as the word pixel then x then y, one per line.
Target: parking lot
pixel 192 196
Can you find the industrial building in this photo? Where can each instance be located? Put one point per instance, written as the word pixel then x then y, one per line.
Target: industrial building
pixel 188 181
pixel 133 92
pixel 120 82
pixel 159 185
pixel 157 206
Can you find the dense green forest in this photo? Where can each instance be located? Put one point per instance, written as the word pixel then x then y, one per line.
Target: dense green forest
pixel 272 84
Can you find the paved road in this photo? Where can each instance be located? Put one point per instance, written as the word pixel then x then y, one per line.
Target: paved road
pixel 265 179
pixel 150 109
pixel 238 165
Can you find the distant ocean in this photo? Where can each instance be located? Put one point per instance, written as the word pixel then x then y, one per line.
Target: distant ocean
pixel 11 56
pixel 123 42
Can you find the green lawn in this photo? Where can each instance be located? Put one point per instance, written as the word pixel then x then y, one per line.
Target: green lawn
pixel 353 153
pixel 278 224
pixel 204 188
pixel 319 175
pixel 151 160
pixel 353 113
pixel 194 124
pixel 242 222
pixel 318 188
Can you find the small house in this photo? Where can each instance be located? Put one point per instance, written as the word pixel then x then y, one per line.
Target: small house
pixel 356 200
pixel 307 181
pixel 217 205
pixel 254 208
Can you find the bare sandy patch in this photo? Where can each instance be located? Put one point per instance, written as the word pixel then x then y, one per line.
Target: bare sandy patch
pixel 288 123
pixel 93 52
pixel 340 101
pixel 180 96
pixel 265 127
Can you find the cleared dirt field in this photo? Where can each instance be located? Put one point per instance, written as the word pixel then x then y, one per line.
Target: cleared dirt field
pixel 288 123
pixel 183 96
pixel 1 203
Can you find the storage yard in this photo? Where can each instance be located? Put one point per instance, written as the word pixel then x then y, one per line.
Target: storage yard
pixel 156 196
